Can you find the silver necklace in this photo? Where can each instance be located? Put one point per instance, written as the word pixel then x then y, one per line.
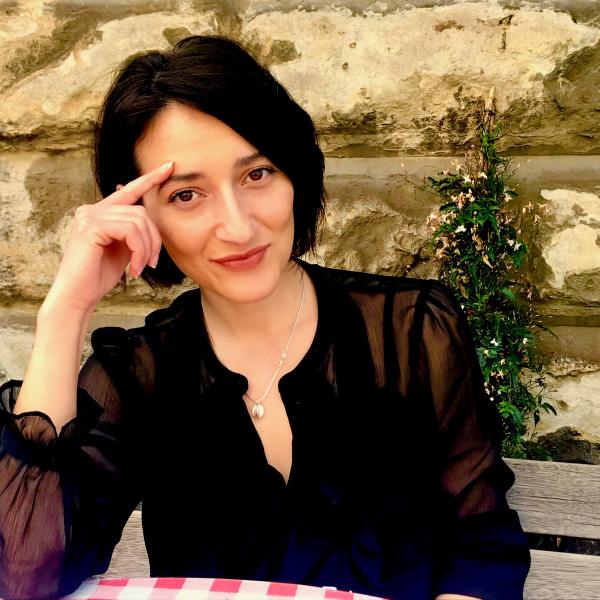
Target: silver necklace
pixel 258 410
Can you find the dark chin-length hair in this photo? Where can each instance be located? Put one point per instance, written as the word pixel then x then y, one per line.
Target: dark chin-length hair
pixel 219 77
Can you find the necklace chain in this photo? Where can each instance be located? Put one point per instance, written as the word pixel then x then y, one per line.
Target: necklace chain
pixel 258 410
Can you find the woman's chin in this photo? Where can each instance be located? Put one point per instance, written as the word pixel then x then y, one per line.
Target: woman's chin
pixel 242 287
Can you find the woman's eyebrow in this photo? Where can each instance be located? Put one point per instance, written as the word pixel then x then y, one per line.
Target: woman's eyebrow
pixel 194 175
pixel 191 176
pixel 246 160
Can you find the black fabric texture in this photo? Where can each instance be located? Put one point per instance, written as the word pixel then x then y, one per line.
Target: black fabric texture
pixel 397 488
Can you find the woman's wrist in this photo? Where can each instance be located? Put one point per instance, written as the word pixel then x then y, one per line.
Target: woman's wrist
pixel 56 310
pixel 57 320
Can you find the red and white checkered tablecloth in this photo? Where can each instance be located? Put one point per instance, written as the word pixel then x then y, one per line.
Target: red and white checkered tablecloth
pixel 169 588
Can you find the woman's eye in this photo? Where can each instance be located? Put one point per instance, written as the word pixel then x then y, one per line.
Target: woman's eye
pixel 260 173
pixel 184 196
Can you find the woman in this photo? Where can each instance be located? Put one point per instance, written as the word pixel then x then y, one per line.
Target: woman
pixel 282 421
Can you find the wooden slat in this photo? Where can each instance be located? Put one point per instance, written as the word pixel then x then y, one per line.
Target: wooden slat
pixel 557 498
pixel 130 558
pixel 563 576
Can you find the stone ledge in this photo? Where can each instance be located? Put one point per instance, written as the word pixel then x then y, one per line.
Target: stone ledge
pixel 566 315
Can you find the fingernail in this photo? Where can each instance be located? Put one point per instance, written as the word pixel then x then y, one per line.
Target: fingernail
pixel 166 166
pixel 153 262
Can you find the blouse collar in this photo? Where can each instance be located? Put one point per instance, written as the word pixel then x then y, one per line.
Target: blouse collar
pixel 183 321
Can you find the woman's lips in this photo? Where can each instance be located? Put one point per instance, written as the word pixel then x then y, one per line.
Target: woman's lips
pixel 239 262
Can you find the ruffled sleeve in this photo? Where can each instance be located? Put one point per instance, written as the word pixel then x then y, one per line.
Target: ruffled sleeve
pixel 66 496
pixel 485 552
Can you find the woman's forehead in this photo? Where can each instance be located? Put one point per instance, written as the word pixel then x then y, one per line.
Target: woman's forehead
pixel 187 135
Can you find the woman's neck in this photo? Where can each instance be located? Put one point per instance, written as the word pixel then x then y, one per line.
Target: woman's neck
pixel 268 318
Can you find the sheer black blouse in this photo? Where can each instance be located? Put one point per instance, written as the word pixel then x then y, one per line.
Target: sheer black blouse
pixel 397 488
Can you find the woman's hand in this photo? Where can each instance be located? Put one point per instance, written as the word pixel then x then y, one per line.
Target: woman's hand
pixel 105 237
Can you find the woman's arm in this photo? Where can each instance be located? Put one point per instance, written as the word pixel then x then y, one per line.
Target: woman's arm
pixel 105 237
pixel 65 474
pixel 65 497
pixel 50 382
pixel 485 553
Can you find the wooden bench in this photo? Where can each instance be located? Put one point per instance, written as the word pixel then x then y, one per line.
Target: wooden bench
pixel 560 499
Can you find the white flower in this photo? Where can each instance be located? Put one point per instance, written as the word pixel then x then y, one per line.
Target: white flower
pixel 518 245
pixel 510 242
pixel 495 343
pixel 525 340
pixel 467 179
pixel 460 229
pixel 482 174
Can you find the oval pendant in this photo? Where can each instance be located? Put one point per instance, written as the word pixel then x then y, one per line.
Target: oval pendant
pixel 258 410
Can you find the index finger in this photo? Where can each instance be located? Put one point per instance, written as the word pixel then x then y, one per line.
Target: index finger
pixel 135 189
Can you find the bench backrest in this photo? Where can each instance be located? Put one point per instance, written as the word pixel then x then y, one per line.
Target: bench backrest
pixel 560 499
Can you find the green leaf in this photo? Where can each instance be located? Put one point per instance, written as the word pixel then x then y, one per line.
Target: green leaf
pixel 509 294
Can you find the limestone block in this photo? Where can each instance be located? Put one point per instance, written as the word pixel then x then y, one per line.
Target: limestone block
pixel 365 234
pixel 40 191
pixel 39 194
pixel 575 396
pixel 25 33
pixel 375 217
pixel 15 349
pixel 17 332
pixel 572 249
pixel 572 355
pixel 379 78
pixel 409 80
pixel 571 349
pixel 567 445
pixel 563 119
pixel 63 99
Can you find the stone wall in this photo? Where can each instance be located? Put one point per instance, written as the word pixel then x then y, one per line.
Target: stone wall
pixel 394 88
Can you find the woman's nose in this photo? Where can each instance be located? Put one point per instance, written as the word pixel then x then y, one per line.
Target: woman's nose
pixel 235 225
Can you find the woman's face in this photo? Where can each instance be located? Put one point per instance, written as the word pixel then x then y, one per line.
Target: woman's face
pixel 225 213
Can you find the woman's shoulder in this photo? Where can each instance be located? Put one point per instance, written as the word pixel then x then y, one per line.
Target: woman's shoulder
pixel 119 343
pixel 426 291
pixel 131 354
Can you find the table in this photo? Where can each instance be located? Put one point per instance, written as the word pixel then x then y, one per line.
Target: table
pixel 170 588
